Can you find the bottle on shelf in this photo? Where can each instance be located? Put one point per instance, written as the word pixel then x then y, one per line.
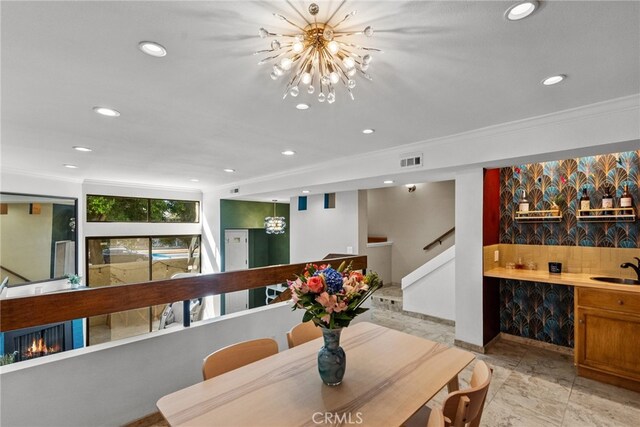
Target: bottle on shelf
pixel 607 201
pixel 523 204
pixel 585 203
pixel 626 200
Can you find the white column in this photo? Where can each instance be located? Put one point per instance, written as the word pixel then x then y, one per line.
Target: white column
pixel 468 291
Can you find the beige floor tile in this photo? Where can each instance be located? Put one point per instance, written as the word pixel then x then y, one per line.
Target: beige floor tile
pixel 532 397
pixel 531 387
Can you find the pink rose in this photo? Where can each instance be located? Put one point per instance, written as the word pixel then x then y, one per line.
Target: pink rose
pixel 356 275
pixel 315 284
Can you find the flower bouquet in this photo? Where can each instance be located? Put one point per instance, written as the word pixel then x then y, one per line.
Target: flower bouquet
pixel 332 298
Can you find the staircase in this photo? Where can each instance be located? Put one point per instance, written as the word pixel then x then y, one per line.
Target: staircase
pixel 388 300
pixel 389 297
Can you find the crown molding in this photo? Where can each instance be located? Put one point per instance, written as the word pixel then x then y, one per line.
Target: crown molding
pixel 590 111
pixel 19 172
pixel 133 185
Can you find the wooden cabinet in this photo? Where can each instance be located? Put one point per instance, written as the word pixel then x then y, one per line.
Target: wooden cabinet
pixel 608 336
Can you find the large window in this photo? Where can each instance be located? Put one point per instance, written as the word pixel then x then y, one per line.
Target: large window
pixel 122 260
pixel 134 209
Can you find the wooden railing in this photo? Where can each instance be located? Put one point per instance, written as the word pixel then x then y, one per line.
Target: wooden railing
pixel 24 312
pixel 439 239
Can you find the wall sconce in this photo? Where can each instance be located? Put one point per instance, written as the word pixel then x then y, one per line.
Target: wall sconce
pixel 411 187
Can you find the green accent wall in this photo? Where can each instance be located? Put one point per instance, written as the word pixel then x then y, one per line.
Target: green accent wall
pixel 264 249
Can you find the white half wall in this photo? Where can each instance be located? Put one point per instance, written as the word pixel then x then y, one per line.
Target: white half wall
pixel 317 231
pixel 430 289
pixel 469 256
pixel 379 259
pixel 114 383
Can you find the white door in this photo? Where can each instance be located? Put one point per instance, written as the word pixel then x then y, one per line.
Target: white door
pixel 236 257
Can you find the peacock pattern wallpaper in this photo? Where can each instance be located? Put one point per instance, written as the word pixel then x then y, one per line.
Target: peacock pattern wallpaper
pixel 540 311
pixel 543 311
pixel 563 180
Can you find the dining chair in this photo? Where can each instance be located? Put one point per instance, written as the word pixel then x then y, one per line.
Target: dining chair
pixel 436 418
pixel 237 355
pixel 463 407
pixel 303 332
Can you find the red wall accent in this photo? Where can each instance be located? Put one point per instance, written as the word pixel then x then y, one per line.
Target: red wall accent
pixel 490 236
pixel 491 207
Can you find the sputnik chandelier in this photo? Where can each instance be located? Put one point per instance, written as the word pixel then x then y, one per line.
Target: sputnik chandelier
pixel 275 224
pixel 317 56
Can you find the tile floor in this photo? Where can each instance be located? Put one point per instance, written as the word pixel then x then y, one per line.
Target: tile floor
pixel 531 387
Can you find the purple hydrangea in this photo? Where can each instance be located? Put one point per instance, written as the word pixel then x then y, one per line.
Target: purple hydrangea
pixel 332 278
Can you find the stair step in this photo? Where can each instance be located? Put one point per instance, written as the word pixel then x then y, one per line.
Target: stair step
pixel 389 297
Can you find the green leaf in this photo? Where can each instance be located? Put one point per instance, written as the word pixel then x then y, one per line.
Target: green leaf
pixel 307 316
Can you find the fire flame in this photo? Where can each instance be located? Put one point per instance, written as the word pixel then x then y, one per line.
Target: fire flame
pixel 39 348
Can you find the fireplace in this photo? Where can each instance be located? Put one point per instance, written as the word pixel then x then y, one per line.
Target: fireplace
pixel 39 341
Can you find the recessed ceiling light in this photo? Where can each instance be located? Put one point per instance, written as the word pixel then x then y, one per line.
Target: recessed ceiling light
pixel 66 165
pixel 228 170
pixel 109 112
pixel 194 180
pixel 409 185
pixel 552 80
pixel 305 191
pixel 153 49
pixel 302 106
pixel 368 131
pixel 388 181
pixel 521 10
pixel 288 153
pixel 83 149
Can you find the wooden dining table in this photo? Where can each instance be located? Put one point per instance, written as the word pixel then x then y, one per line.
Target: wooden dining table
pixel 389 376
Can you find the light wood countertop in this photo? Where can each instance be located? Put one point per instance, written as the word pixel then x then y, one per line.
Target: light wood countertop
pixel 570 279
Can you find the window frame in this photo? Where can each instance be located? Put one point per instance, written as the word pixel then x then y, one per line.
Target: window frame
pixel 149 201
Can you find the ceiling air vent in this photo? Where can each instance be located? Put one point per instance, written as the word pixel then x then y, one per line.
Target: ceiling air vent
pixel 413 160
pixel 234 191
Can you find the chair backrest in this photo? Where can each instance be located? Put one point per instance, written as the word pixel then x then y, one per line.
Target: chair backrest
pixel 464 407
pixel 237 355
pixel 436 418
pixel 303 332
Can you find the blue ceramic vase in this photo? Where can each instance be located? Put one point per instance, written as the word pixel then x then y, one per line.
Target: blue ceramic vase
pixel 332 361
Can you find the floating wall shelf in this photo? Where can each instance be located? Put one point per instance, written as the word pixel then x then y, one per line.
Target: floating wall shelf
pixel 549 215
pixel 599 215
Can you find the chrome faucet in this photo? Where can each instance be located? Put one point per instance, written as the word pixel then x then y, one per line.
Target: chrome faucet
pixel 636 268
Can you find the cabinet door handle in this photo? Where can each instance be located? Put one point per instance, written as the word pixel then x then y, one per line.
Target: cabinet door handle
pixel 621 302
pixel 581 321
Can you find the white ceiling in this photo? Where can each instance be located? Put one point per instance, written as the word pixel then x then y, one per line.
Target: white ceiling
pixel 447 67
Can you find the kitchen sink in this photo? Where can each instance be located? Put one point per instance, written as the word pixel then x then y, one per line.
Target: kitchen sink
pixel 618 280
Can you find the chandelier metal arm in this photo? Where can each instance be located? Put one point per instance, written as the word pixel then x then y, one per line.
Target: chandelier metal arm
pixel 335 12
pixel 285 19
pixel 269 58
pixel 298 12
pixel 347 16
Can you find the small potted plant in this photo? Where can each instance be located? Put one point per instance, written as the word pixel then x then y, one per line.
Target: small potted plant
pixel 74 280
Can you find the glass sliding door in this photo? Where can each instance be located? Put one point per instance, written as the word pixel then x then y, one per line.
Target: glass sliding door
pixel 170 256
pixel 125 260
